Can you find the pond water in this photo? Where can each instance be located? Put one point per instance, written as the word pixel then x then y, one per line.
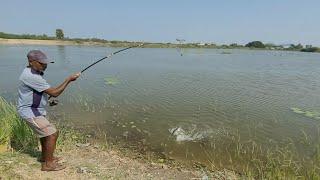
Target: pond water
pixel 185 106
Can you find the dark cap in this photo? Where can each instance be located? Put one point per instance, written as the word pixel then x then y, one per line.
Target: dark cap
pixel 37 55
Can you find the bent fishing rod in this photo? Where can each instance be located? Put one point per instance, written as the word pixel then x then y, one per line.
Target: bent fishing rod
pixel 110 56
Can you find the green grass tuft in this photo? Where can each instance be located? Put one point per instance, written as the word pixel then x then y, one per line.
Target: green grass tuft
pixel 14 132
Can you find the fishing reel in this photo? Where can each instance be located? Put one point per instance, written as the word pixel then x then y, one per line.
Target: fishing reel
pixel 52 101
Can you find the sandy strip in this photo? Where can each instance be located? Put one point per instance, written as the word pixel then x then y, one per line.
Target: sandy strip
pixel 45 42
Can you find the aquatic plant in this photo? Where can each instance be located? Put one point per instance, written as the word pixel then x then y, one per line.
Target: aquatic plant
pixel 111 81
pixel 84 102
pixel 297 110
pixel 264 161
pixel 309 114
pixel 226 52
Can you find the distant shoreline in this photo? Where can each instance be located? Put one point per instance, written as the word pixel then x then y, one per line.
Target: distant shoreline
pixel 4 41
pixel 46 42
pixel 72 42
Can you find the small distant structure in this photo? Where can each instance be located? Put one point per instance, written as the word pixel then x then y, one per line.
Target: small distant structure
pixel 180 41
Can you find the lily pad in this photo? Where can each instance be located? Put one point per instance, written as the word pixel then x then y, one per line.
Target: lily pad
pixel 309 114
pixel 226 52
pixel 297 110
pixel 111 81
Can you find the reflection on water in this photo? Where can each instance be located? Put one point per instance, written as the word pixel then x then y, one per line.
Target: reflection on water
pixel 181 104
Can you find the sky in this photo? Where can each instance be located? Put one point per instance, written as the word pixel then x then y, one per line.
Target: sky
pixel 211 21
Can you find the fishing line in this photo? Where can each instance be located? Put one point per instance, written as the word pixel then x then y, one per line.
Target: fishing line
pixel 110 55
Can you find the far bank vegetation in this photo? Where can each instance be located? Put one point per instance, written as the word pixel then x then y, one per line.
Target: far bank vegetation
pixel 251 45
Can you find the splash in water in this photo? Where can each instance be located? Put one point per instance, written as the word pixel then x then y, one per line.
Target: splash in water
pixel 183 135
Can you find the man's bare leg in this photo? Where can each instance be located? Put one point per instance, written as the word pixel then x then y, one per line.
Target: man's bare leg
pixel 48 146
pixel 43 140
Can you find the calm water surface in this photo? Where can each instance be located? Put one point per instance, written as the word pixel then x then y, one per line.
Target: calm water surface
pixel 178 105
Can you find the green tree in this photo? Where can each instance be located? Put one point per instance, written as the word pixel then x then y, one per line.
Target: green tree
pixel 311 49
pixel 255 44
pixel 59 34
pixel 233 45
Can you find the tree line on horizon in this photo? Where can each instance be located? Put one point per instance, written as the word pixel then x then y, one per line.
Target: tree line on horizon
pixel 298 47
pixel 252 45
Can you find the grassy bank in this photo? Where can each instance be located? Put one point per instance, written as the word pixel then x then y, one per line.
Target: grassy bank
pixel 14 133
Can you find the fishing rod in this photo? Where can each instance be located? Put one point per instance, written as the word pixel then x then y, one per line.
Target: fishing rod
pixel 110 56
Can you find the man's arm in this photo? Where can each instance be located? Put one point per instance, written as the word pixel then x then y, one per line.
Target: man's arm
pixel 56 91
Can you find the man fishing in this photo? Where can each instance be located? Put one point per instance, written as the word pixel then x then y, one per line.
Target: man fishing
pixel 33 97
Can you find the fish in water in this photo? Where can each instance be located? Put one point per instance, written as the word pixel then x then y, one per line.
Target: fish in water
pixel 183 135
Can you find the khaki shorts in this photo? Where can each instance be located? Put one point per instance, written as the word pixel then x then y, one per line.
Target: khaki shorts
pixel 41 126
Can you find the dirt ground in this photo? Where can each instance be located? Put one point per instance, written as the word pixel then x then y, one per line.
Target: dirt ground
pixel 91 162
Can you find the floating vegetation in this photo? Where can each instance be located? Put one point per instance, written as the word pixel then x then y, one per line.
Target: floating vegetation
pixel 111 81
pixel 225 52
pixel 309 114
pixel 297 110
